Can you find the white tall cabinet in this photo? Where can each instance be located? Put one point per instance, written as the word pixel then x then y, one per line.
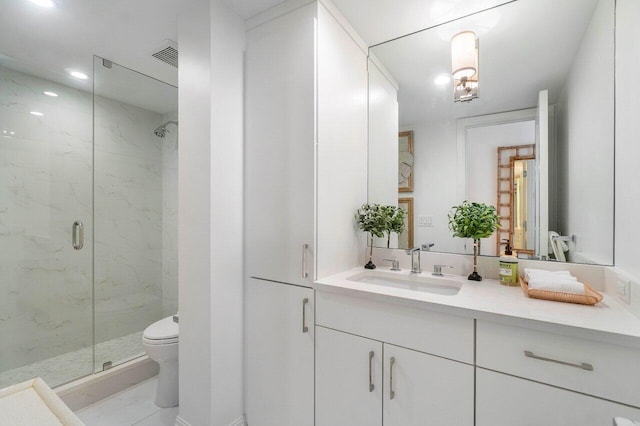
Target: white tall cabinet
pixel 305 176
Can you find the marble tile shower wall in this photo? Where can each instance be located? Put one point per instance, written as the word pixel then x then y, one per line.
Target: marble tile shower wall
pixel 128 219
pixel 170 218
pixel 45 184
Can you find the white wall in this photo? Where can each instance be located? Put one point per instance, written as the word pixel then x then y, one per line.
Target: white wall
pixel 585 123
pixel 627 231
pixel 435 182
pixel 211 40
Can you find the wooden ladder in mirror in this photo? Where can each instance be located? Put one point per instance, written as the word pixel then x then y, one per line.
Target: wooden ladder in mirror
pixel 507 156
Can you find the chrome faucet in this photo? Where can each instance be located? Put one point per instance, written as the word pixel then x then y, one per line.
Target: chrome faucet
pixel 415 260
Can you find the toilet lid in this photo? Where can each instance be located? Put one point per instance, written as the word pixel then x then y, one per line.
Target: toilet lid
pixel 162 330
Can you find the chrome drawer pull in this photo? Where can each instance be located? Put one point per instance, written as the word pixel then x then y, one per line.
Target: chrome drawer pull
pixel 304 315
pixel 583 365
pixel 392 394
pixel 370 368
pixel 305 274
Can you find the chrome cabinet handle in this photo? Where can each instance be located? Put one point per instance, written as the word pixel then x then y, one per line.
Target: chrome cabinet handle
pixel 304 315
pixel 77 235
pixel 582 365
pixel 371 387
pixel 392 361
pixel 305 274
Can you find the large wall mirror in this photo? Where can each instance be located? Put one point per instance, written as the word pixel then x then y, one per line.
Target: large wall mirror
pixel 537 142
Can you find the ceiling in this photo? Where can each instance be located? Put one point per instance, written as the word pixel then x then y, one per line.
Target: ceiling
pixel 68 35
pixel 525 46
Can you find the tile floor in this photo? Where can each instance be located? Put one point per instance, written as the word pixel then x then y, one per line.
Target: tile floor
pixel 133 406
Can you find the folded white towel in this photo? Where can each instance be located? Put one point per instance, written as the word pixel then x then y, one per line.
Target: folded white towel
pixel 561 285
pixel 531 273
pixel 620 421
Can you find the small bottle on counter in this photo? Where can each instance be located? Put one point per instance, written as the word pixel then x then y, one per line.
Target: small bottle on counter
pixel 508 266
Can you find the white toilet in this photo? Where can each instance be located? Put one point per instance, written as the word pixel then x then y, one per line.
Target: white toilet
pixel 160 341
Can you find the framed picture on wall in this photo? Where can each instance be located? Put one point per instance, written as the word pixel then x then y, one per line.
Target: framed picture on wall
pixel 405 161
pixel 405 240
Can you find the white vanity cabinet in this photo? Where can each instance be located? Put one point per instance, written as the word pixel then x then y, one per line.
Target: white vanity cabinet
pixel 504 400
pixel 279 342
pixel 366 349
pixel 527 376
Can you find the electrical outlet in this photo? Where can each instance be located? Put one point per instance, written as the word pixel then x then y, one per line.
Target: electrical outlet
pixel 623 287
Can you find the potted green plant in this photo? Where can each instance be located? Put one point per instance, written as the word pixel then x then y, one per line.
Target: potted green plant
pixel 394 217
pixel 372 218
pixel 473 220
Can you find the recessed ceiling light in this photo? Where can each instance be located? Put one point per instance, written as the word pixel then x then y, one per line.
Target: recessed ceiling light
pixel 36 113
pixel 442 79
pixel 43 3
pixel 52 94
pixel 12 133
pixel 79 75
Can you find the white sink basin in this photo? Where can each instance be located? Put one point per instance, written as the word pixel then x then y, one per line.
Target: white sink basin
pixel 415 282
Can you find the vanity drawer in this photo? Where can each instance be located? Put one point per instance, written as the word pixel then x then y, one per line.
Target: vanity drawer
pixel 426 331
pixel 599 369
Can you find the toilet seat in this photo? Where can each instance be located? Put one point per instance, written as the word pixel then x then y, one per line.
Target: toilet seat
pixel 161 332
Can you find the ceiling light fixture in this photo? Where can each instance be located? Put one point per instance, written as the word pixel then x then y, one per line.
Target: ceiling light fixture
pixel 52 94
pixel 43 3
pixel 464 66
pixel 37 113
pixel 79 75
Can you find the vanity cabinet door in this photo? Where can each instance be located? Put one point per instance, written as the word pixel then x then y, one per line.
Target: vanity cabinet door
pixel 421 389
pixel 279 359
pixel 348 379
pixel 503 400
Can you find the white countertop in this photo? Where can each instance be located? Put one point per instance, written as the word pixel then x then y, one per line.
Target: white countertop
pixel 490 300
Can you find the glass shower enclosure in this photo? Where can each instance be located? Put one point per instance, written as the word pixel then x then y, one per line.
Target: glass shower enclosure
pixel 88 218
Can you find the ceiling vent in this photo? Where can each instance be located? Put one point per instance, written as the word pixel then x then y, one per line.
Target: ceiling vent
pixel 168 53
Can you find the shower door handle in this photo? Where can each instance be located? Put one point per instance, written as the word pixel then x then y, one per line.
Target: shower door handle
pixel 77 235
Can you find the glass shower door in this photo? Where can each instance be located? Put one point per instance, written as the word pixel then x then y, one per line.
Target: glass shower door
pixel 136 199
pixel 46 293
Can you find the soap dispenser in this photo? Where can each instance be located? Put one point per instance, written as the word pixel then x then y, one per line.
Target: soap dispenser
pixel 508 266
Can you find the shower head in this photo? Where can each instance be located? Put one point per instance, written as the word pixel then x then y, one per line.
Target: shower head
pixel 161 130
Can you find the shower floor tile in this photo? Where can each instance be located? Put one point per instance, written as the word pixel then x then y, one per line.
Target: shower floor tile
pixel 73 365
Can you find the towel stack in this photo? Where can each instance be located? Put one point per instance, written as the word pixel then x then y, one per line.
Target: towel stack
pixel 560 281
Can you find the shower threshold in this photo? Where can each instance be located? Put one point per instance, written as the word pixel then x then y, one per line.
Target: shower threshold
pixel 70 366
